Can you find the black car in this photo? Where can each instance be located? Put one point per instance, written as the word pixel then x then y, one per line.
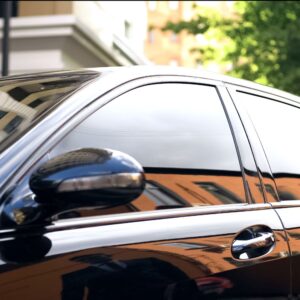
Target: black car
pixel 148 183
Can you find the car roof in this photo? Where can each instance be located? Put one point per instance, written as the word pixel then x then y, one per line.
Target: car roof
pixel 134 72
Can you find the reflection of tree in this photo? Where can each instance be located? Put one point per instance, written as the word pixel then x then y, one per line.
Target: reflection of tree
pixel 259 39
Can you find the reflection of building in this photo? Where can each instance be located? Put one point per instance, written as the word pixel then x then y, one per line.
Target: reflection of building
pixel 47 35
pixel 146 266
pixel 195 190
pixel 166 191
pixel 21 103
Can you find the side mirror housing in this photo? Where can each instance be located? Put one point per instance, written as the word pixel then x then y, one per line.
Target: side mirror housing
pixel 86 178
pixel 82 178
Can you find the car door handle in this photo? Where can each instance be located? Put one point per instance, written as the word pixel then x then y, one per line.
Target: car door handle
pixel 253 247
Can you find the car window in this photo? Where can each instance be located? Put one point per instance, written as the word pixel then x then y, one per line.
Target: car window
pixel 180 135
pixel 24 101
pixel 277 125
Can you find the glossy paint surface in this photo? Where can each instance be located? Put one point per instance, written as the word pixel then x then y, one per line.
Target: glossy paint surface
pixel 87 177
pixel 183 257
pixel 145 250
pixel 289 214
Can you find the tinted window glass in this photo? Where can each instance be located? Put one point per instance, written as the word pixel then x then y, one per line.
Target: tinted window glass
pixel 278 126
pixel 24 101
pixel 179 133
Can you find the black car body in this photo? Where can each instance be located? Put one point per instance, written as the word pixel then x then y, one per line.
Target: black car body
pixel 201 201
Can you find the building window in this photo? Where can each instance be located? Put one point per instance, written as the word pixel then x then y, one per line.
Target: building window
pixel 162 196
pixel 152 5
pixel 173 5
pixel 220 192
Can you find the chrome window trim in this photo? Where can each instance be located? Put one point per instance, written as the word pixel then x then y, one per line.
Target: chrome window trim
pixel 237 125
pixel 285 204
pixel 254 140
pixel 144 216
pixel 264 94
pixel 264 91
pixel 155 215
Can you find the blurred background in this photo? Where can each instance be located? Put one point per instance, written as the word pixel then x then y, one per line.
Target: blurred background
pixel 255 40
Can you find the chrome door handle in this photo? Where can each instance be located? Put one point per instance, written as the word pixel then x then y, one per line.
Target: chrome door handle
pixel 244 249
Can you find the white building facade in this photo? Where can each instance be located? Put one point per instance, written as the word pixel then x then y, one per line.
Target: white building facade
pixel 56 35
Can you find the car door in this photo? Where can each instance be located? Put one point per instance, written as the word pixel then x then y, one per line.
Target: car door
pixel 278 152
pixel 200 229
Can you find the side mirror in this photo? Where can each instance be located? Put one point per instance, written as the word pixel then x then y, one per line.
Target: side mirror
pixel 88 178
pixel 79 179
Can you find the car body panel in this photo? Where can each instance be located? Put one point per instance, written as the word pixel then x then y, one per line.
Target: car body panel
pixel 185 251
pixel 168 254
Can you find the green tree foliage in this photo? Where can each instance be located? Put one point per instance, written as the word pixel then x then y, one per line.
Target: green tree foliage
pixel 261 41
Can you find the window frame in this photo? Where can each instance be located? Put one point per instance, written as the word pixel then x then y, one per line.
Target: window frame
pixel 214 87
pixel 101 100
pixel 217 85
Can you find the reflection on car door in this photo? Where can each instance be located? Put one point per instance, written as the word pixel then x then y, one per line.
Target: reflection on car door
pixel 185 255
pixel 278 134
